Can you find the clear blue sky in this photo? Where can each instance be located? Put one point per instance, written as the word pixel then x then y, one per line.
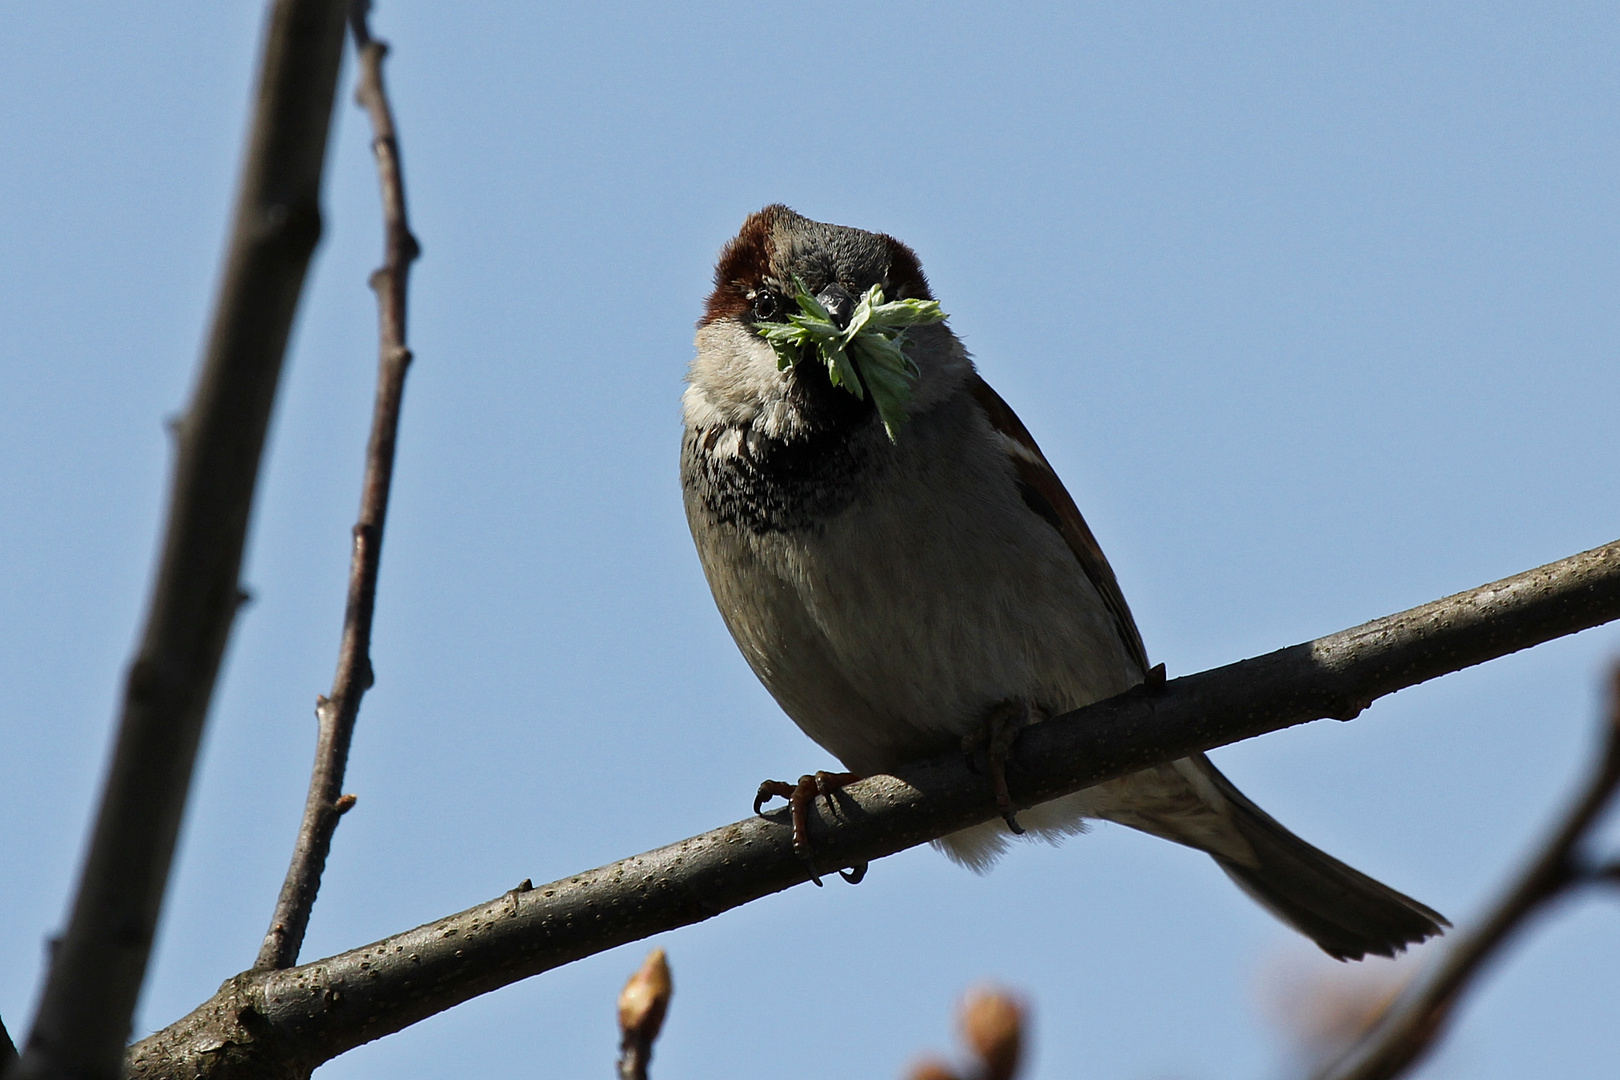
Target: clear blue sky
pixel 1313 306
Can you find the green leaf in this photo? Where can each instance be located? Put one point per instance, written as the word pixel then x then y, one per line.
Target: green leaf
pixel 808 303
pixel 841 368
pixel 891 391
pixel 867 356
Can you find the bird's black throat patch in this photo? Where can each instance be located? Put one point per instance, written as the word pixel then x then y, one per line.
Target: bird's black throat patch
pixel 771 485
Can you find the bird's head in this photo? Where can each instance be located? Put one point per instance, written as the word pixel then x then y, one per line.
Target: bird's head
pixel 740 379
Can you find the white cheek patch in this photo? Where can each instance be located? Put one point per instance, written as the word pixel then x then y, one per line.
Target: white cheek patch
pixel 733 378
pixel 697 411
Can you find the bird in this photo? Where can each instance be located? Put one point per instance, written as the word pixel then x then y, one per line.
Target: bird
pixel 909 580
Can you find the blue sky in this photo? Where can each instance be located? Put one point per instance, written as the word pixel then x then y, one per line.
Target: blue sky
pixel 1312 306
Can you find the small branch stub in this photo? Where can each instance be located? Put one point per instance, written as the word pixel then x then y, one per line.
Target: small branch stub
pixel 642 1005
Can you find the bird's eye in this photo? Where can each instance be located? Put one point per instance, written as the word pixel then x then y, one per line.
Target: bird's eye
pixel 765 305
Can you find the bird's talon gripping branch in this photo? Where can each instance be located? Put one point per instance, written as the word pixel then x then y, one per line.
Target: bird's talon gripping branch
pixel 801 797
pixel 994 739
pixel 771 789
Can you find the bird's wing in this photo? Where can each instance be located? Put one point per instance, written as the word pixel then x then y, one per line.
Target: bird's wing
pixel 1044 493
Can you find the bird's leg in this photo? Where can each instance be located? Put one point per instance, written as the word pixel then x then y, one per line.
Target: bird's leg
pixel 800 798
pixel 994 739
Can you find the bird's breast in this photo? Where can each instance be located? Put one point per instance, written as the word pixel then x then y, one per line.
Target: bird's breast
pixel 889 596
pixel 765 485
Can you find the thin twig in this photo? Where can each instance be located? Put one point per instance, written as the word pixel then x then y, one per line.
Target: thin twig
pixel 312 1013
pixel 1417 1019
pixel 336 712
pixel 99 965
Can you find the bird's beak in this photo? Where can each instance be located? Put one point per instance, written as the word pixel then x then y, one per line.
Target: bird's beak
pixel 838 302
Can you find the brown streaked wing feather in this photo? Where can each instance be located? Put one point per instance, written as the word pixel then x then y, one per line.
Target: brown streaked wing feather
pixel 1045 492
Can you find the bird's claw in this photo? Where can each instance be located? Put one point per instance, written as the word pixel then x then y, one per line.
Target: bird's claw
pixel 800 798
pixel 995 739
pixel 772 789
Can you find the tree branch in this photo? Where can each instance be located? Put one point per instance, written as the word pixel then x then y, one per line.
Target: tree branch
pixel 336 713
pixel 96 974
pixel 303 1016
pixel 1416 1020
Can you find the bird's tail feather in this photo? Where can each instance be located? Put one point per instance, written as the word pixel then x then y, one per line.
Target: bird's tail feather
pixel 1343 910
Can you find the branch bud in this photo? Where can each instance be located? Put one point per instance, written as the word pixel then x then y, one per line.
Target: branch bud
pixel 993 1026
pixel 931 1069
pixel 642 1004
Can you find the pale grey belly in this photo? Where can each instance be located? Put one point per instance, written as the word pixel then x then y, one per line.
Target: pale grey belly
pixel 891 630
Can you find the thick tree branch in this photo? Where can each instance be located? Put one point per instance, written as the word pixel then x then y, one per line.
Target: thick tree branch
pixel 336 713
pixel 297 1018
pixel 1417 1019
pixel 98 966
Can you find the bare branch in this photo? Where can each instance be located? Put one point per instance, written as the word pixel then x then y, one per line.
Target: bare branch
pixel 312 1013
pixel 1417 1019
pixel 336 712
pixel 97 970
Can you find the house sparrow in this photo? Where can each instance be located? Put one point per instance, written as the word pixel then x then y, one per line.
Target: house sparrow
pixel 905 593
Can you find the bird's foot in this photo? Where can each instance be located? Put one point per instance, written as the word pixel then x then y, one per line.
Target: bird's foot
pixel 800 797
pixel 994 740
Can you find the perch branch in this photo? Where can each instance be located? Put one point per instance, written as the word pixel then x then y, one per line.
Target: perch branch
pixel 1417 1019
pixel 336 712
pixel 312 1013
pixel 96 972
